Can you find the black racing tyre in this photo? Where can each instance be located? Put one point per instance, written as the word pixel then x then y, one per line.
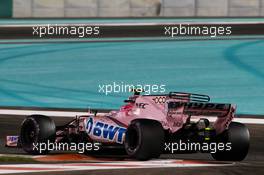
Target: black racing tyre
pixel 37 129
pixel 238 135
pixel 144 139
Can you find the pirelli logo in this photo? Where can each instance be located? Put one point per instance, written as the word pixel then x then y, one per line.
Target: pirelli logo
pixel 159 99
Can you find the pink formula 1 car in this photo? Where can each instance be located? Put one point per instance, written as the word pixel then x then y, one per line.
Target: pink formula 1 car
pixel 146 127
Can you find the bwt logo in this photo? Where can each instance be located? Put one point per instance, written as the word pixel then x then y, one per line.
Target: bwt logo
pixel 105 131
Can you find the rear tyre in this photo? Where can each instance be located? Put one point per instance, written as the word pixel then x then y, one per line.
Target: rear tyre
pixel 144 139
pixel 238 135
pixel 37 129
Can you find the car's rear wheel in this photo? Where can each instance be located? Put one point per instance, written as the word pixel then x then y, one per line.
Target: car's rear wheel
pixel 144 139
pixel 36 129
pixel 238 135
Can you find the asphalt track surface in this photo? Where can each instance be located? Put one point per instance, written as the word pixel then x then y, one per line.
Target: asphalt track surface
pixel 254 162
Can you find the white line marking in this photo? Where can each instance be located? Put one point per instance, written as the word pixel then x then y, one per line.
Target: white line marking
pixel 73 114
pixel 48 113
pixel 22 168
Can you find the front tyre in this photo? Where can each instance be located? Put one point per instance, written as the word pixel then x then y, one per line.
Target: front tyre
pixel 144 139
pixel 238 135
pixel 37 129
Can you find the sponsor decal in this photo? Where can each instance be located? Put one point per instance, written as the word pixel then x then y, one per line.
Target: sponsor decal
pixel 141 105
pixel 11 140
pixel 159 99
pixel 201 106
pixel 105 131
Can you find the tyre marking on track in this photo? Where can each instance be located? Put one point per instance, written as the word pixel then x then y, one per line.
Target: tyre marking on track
pixel 73 114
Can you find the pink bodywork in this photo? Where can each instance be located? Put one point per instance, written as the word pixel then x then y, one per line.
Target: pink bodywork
pixel 156 108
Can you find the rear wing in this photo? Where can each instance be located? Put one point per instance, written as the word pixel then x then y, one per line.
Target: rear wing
pixel 199 105
pixel 183 96
pixel 204 109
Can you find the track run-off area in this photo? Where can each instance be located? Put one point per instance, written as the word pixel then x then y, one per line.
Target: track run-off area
pixel 68 75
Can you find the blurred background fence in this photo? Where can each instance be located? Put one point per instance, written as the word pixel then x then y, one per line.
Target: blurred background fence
pixel 131 8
